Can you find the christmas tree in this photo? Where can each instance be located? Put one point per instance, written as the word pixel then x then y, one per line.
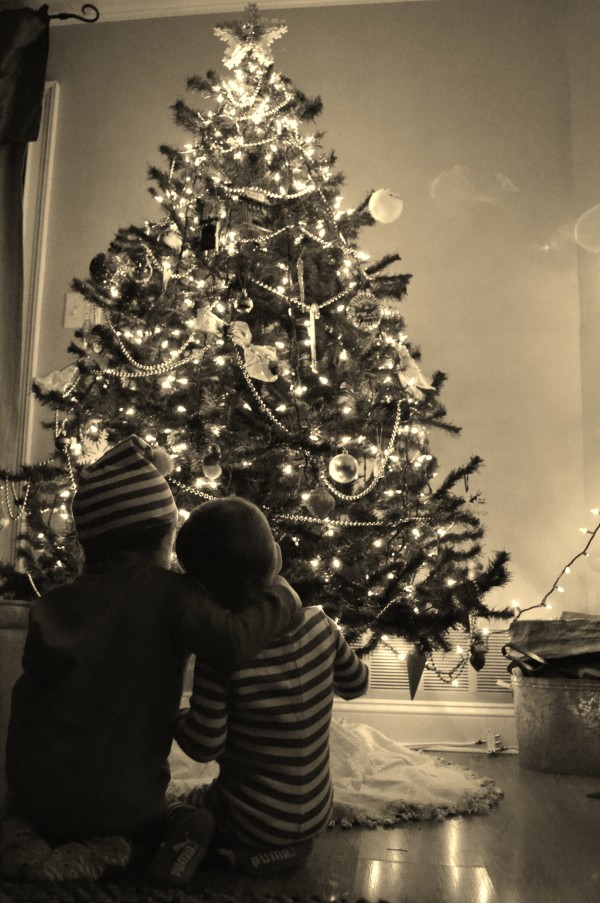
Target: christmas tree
pixel 246 333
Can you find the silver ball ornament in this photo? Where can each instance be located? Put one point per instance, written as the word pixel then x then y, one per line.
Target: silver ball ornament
pixel 62 442
pixel 243 303
pixel 343 468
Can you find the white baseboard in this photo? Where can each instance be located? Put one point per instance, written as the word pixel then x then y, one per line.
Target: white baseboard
pixel 433 721
pixel 436 721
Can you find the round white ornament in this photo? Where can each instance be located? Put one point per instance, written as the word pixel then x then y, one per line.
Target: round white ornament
pixel 385 206
pixel 212 471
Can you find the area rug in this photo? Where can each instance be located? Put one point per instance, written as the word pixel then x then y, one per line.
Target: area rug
pixel 126 892
pixel 377 783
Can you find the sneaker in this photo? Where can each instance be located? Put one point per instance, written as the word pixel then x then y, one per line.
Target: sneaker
pixel 256 861
pixel 179 856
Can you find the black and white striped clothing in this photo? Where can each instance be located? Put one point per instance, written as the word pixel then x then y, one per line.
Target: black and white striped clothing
pixel 268 727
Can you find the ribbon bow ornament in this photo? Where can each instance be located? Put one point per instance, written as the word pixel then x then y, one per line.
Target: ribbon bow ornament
pixel 207 322
pixel 239 333
pixel 409 373
pixel 256 357
pixel 58 380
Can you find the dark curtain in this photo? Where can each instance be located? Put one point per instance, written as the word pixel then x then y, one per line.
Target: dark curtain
pixel 23 57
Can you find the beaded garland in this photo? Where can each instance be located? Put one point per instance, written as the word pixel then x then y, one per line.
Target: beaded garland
pixel 328 522
pixel 297 301
pixel 386 456
pixel 20 504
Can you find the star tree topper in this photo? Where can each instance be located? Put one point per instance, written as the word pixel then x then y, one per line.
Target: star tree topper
pixel 254 36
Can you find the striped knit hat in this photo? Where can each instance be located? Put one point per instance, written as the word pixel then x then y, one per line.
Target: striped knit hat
pixel 124 489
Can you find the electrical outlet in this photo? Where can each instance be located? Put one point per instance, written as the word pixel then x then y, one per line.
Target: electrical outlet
pixel 493 743
pixel 74 311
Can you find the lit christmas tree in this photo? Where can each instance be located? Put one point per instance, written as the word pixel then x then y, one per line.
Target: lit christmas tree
pixel 246 332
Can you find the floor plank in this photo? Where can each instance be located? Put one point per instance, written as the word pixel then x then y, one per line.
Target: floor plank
pixel 407 882
pixel 541 843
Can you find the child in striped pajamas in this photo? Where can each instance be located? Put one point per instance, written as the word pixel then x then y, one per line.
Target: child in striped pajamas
pixel 267 724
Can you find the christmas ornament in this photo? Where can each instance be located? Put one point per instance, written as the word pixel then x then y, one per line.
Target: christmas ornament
pixel 343 468
pixel 4 522
pixel 257 359
pixel 211 468
pixel 479 647
pixel 212 471
pixel 415 665
pixel 172 239
pixel 477 659
pixel 60 519
pixel 320 502
pixel 207 322
pixel 57 380
pixel 62 442
pixel 253 210
pixel 141 265
pixel 409 373
pixel 364 311
pixel 385 206
pixel 313 316
pixel 102 269
pixel 239 333
pixel 243 303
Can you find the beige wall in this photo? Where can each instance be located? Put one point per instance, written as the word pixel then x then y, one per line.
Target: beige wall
pixel 464 108
pixel 584 71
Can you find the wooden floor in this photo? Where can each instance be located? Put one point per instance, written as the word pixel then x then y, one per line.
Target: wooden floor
pixel 541 844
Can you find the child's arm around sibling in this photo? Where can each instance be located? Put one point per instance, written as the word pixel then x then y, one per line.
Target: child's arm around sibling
pixel 227 639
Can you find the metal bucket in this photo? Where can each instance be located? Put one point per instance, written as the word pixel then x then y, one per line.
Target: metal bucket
pixel 558 724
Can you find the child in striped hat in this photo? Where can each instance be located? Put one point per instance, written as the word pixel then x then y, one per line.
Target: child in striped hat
pixel 93 714
pixel 267 723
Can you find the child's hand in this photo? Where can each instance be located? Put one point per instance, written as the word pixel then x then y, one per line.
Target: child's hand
pixel 286 592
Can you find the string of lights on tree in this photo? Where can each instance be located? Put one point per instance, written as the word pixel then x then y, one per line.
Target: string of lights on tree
pixel 247 333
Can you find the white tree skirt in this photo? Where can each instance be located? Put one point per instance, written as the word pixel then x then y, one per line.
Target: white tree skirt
pixel 376 781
